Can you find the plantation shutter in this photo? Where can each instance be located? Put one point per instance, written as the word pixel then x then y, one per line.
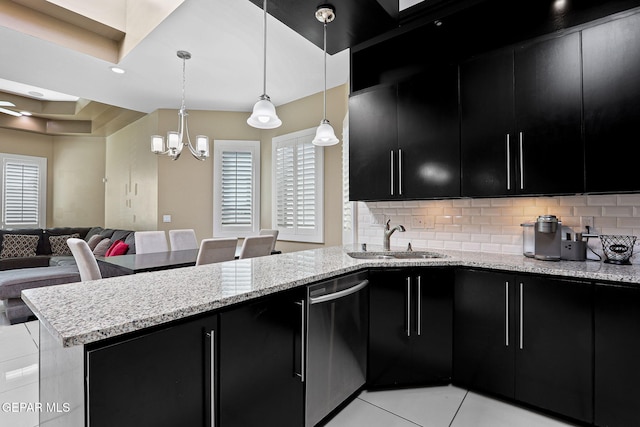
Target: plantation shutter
pixel 237 188
pixel 21 194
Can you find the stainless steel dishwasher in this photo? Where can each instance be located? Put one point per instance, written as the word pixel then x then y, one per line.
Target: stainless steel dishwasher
pixel 336 337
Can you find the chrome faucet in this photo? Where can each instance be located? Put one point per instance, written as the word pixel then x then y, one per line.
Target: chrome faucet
pixel 386 238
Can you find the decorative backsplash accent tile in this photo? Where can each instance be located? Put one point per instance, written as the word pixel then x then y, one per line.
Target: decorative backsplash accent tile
pixel 493 224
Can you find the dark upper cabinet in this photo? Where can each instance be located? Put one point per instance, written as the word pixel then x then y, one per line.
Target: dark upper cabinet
pixel 521 120
pixel 611 61
pixel 617 351
pixel 373 143
pixel 410 326
pixel 161 378
pixel 526 338
pixel 404 139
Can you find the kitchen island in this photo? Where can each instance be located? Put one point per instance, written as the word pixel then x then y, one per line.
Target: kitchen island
pixel 78 318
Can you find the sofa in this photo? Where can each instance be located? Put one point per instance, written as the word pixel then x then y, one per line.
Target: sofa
pixel 33 258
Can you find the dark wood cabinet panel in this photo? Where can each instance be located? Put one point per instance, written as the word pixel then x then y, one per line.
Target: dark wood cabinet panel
pixel 428 134
pixel 162 378
pixel 617 351
pixel 410 327
pixel 261 356
pixel 611 64
pixel 521 120
pixel 526 338
pixel 373 140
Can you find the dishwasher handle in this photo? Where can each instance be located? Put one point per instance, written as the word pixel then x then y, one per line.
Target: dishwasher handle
pixel 339 294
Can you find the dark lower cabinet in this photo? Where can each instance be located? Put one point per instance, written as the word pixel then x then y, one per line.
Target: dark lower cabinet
pixel 162 378
pixel 617 352
pixel 526 338
pixel 410 327
pixel 261 358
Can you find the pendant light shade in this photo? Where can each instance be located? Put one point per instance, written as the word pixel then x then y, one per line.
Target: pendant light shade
pixel 264 112
pixel 325 135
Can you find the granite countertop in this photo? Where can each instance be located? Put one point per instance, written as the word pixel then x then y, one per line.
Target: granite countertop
pixel 81 313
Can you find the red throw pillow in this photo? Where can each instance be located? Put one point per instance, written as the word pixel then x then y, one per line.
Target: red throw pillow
pixel 117 248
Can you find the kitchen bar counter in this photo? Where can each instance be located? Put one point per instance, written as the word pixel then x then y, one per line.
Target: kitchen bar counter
pixel 81 313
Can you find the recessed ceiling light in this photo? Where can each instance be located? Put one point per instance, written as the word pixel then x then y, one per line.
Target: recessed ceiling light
pixel 25 113
pixel 34 93
pixel 117 70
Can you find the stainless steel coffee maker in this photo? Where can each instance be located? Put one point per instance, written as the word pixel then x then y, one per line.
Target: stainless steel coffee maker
pixel 542 238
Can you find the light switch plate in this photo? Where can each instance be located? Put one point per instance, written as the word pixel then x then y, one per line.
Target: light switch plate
pixel 418 221
pixel 166 218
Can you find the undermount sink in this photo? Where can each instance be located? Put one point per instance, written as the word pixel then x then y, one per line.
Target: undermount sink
pixel 396 255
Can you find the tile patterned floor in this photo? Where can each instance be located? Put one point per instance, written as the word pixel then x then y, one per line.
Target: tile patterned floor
pixel 427 407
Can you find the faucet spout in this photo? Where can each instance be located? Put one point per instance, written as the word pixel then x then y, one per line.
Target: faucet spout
pixel 388 231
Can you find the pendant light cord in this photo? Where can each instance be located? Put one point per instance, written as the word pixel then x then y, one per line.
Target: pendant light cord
pixel 184 80
pixel 325 70
pixel 264 52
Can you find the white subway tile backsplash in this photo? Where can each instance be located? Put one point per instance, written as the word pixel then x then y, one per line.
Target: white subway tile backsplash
pixel 493 224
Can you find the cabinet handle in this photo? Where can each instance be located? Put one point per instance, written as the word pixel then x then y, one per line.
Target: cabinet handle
pixel 392 172
pixel 400 171
pixel 419 305
pixel 212 337
pixel 302 341
pixel 508 163
pixel 521 314
pixel 408 306
pixel 506 314
pixel 521 161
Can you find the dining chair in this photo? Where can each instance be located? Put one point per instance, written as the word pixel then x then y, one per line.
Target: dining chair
pixel 85 260
pixel 183 239
pixel 271 232
pixel 255 246
pixel 217 250
pixel 151 241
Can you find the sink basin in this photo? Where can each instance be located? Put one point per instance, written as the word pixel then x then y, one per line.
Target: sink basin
pixel 395 255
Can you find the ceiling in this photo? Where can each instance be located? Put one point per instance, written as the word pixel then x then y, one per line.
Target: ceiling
pixel 225 38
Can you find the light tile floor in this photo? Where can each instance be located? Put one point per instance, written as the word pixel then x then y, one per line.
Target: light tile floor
pixel 447 406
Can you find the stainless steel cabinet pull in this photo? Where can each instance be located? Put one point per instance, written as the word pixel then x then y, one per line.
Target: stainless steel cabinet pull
pixel 508 163
pixel 339 294
pixel 419 305
pixel 212 343
pixel 302 341
pixel 400 171
pixel 521 314
pixel 506 314
pixel 521 161
pixel 392 172
pixel 408 306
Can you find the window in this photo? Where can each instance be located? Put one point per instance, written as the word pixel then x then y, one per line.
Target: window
pixel 24 190
pixel 297 190
pixel 236 188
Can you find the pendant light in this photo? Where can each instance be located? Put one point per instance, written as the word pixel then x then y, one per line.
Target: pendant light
pixel 325 134
pixel 264 112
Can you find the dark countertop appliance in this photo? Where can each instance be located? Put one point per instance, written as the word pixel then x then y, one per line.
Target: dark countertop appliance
pixel 542 238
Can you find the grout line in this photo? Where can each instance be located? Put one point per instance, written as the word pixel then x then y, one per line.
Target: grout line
pixel 388 411
pixel 459 407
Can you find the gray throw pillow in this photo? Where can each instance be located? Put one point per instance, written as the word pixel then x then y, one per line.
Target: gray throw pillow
pixel 102 247
pixel 94 240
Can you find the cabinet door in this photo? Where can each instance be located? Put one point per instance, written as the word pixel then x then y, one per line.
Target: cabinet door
pixel 611 65
pixel 428 134
pixel 373 143
pixel 260 358
pixel 617 351
pixel 486 123
pixel 483 338
pixel 554 355
pixel 163 378
pixel 548 105
pixel 409 327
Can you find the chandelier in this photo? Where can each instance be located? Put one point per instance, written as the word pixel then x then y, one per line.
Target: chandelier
pixel 176 141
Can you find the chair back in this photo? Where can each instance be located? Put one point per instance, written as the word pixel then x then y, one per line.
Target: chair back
pixel 216 250
pixel 85 260
pixel 255 246
pixel 274 233
pixel 184 239
pixel 151 241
